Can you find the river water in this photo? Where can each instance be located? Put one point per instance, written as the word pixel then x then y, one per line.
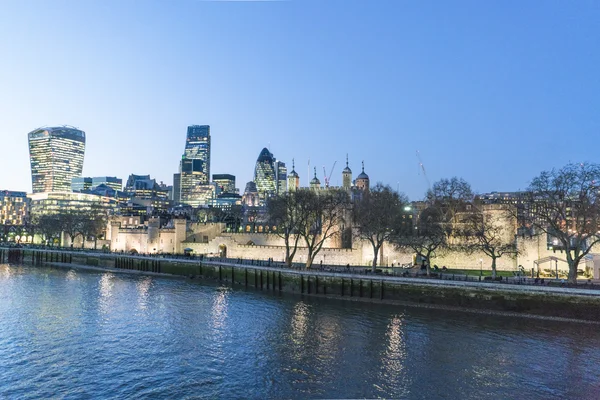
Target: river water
pixel 68 333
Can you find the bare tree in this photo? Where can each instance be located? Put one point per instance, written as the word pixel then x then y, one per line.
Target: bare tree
pixel 378 216
pixel 322 216
pixel 450 196
pixel 72 223
pixel 565 205
pixel 48 226
pixel 93 224
pixel 428 235
pixel 285 213
pixel 490 230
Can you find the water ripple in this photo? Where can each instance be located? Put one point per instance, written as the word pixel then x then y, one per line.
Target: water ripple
pixel 81 334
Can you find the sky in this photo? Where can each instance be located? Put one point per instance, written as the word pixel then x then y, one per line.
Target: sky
pixel 491 91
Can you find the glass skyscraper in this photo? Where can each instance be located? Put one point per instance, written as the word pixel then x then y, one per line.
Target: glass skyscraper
pixel 56 156
pixel 197 147
pixel 194 169
pixel 265 175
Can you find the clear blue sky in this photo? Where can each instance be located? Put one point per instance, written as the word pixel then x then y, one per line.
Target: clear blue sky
pixel 491 91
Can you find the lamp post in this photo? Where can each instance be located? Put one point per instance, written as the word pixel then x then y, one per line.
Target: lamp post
pixel 480 268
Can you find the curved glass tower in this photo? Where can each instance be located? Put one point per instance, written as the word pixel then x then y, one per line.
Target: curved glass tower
pixel 264 174
pixel 56 156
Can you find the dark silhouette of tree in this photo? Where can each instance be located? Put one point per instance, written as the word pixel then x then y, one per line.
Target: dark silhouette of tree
pixel 48 226
pixel 322 216
pixel 378 216
pixel 565 205
pixel 427 236
pixel 450 196
pixel 285 213
pixel 490 230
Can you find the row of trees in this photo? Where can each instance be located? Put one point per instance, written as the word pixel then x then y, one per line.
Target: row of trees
pixel 87 223
pixel 308 217
pixel 563 204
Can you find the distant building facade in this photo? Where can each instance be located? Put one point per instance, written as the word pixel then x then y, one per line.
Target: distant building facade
pixel 56 156
pixel 225 182
pixel 14 208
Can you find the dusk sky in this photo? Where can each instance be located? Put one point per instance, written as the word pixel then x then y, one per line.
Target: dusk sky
pixel 491 91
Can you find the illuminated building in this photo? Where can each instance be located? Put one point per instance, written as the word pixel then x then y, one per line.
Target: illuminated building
pixel 280 177
pixel 194 169
pixel 81 183
pixel 51 203
pixel 110 181
pixel 225 182
pixel 144 187
pixel 264 174
pixel 56 156
pixel 14 207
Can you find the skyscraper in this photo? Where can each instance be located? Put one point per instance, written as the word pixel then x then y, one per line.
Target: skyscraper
pixel 264 174
pixel 194 169
pixel 56 156
pixel 197 147
pixel 281 177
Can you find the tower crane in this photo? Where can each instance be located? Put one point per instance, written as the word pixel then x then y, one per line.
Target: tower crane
pixel 422 168
pixel 328 177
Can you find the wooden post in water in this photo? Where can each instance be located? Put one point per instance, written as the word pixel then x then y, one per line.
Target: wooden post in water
pixel 280 281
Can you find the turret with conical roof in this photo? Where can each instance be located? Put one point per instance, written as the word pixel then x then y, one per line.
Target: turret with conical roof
pixel 347 176
pixel 362 180
pixel 293 178
pixel 315 183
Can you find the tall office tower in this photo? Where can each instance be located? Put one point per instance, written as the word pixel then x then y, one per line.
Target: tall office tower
pixel 194 169
pixel 176 194
pixel 281 177
pixel 56 156
pixel 264 174
pixel 197 147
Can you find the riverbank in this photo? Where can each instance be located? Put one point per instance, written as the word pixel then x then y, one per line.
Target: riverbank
pixel 561 302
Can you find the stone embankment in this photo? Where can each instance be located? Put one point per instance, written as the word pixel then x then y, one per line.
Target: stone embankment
pixel 563 302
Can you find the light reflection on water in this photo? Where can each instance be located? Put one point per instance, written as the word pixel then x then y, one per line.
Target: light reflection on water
pixel 68 333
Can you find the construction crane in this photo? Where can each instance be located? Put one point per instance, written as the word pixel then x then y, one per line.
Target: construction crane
pixel 328 177
pixel 422 168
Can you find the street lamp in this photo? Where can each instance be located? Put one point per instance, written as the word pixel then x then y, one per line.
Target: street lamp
pixel 480 268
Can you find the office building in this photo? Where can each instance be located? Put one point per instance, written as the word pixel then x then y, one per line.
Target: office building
pixel 264 174
pixel 56 156
pixel 81 183
pixel 14 208
pixel 280 176
pixel 194 168
pixel 225 182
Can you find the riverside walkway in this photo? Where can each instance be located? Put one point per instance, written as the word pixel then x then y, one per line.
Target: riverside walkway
pixel 443 280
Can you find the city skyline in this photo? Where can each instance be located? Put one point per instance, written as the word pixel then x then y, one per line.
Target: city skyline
pixel 486 92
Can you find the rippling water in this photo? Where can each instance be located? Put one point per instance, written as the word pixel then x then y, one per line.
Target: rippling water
pixel 80 334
